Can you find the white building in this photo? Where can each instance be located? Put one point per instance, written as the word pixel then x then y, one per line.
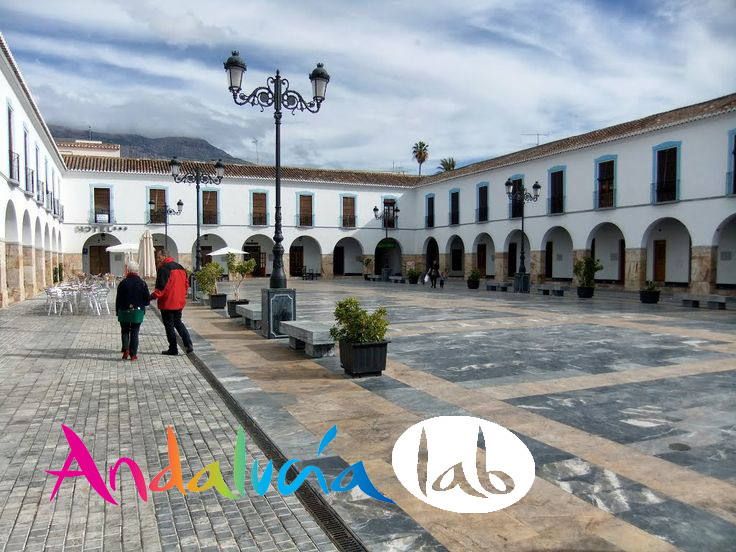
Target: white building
pixel 652 199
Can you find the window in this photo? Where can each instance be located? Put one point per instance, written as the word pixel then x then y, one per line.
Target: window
pixel 348 212
pixel 209 207
pixel 516 205
pixel 305 210
pixel 731 174
pixel 389 213
pixel 13 158
pixel 101 209
pixel 41 185
pixel 556 199
pixel 666 182
pixel 29 171
pixel 605 185
pixel 259 213
pixel 157 211
pixel 482 203
pixel 429 218
pixel 455 207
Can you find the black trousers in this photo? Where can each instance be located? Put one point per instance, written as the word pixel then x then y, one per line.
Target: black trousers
pixel 129 333
pixel 172 321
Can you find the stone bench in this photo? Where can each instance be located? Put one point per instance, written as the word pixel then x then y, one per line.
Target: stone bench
pixel 375 278
pixel 251 315
pixel 499 286
pixel 314 337
pixel 397 279
pixel 558 290
pixel 713 301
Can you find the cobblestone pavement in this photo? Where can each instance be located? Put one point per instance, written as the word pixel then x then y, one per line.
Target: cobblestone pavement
pixel 66 370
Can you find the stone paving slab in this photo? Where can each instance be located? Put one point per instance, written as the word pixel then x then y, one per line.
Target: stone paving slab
pixel 66 370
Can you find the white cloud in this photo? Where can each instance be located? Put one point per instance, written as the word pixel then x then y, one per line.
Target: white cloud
pixel 467 79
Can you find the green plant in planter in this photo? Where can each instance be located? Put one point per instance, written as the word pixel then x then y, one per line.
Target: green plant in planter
pixel 354 324
pixel 413 275
pixel 650 285
pixel 55 272
pixel 585 270
pixel 61 272
pixel 474 276
pixel 207 278
pixel 239 270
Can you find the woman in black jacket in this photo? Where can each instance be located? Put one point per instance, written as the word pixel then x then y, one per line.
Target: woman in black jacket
pixel 130 306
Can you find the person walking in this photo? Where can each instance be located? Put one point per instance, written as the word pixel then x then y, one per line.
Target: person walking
pixel 130 307
pixel 434 272
pixel 171 296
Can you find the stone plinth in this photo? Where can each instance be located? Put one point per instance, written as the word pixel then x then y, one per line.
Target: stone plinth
pixel 635 267
pixel 29 271
pixel 277 305
pixel 328 270
pixel 501 265
pixel 49 268
pixel 3 277
pixel 40 270
pixel 536 267
pixel 14 272
pixel 72 264
pixel 703 269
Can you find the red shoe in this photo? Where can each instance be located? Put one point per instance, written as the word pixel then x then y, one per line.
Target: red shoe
pixel 125 355
pixel 134 357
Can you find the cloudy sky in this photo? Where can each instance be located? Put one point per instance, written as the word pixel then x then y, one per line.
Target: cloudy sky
pixel 469 78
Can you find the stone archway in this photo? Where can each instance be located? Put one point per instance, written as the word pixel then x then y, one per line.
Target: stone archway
pixel 556 260
pixel 347 257
pixel 668 250
pixel 606 243
pixel 260 248
pixel 160 242
pixel 305 253
pixel 431 253
pixel 508 263
pixel 48 261
pixel 388 256
pixel 209 243
pixel 95 258
pixel 11 285
pixel 455 255
pixel 725 254
pixel 484 255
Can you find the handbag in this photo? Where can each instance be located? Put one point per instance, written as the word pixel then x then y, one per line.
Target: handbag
pixel 426 278
pixel 131 316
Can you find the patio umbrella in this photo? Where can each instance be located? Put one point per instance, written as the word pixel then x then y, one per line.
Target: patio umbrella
pixel 146 256
pixel 123 248
pixel 226 251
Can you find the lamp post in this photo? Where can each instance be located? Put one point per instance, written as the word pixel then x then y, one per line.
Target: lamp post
pixel 389 216
pixel 166 211
pixel 276 93
pixel 197 176
pixel 520 194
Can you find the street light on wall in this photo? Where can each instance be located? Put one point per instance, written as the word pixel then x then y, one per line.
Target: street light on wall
pixel 390 214
pixel 196 176
pixel 166 211
pixel 521 195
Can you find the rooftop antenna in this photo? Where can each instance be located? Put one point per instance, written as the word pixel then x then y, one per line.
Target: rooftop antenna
pixel 89 129
pixel 537 134
pixel 255 141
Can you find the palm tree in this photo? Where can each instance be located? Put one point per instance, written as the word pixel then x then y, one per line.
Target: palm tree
pixel 420 152
pixel 447 164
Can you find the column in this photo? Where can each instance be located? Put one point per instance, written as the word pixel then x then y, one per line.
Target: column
pixel 471 263
pixel 328 270
pixel 40 270
pixel 536 267
pixel 3 277
pixel 444 262
pixel 578 254
pixel 635 267
pixel 703 269
pixel 500 264
pixel 185 260
pixel 49 268
pixel 14 272
pixel 29 271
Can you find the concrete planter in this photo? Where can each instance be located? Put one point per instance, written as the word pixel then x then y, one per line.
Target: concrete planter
pixel 363 359
pixel 649 296
pixel 218 300
pixel 473 284
pixel 231 304
pixel 585 292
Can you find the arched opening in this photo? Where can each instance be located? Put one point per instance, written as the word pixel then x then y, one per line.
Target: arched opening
pixel 512 251
pixel 557 256
pixel 305 254
pixel 207 244
pixel 726 254
pixel 485 255
pixel 161 243
pixel 95 258
pixel 455 251
pixel 606 244
pixel 347 258
pixel 388 256
pixel 668 250
pixel 431 253
pixel 260 248
pixel 13 255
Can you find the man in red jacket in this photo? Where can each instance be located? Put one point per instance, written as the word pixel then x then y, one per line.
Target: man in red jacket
pixel 171 293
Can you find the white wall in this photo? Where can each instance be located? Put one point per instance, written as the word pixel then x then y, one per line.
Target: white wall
pixel 352 256
pixel 561 253
pixel 607 251
pixel 677 251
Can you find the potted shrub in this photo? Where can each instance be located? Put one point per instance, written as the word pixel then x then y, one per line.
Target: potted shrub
pixel 473 279
pixel 367 262
pixel 239 270
pixel 207 280
pixel 585 270
pixel 361 337
pixel 649 293
pixel 61 272
pixel 413 274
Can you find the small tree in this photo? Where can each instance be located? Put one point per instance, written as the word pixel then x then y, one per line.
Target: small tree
pixel 239 270
pixel 353 324
pixel 207 277
pixel 585 270
pixel 367 262
pixel 474 275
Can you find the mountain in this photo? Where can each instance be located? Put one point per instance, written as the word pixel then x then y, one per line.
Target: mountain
pixel 134 145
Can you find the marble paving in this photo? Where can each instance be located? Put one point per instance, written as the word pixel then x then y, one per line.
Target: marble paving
pixel 628 410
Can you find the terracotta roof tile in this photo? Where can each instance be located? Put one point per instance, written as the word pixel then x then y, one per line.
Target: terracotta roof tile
pixel 86 145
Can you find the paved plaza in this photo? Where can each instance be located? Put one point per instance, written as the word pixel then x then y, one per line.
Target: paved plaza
pixel 626 408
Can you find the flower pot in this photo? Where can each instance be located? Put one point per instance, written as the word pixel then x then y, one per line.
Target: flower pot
pixel 231 304
pixel 649 296
pixel 414 279
pixel 363 359
pixel 585 292
pixel 473 284
pixel 218 300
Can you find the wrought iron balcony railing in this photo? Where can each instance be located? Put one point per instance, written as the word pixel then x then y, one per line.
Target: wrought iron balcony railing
pixel 14 167
pixel 348 221
pixel 259 219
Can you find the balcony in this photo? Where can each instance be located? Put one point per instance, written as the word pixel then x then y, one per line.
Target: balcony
pixel 453 217
pixel 429 221
pixel 100 216
pixel 14 168
pixel 210 218
pixel 388 220
pixel 41 192
pixel 665 191
pixel 259 219
pixel 30 181
pixel 604 198
pixel 481 214
pixel 305 219
pixel 156 216
pixel 347 221
pixel 516 209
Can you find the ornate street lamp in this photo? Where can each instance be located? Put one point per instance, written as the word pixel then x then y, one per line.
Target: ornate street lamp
pixel 197 176
pixel 389 216
pixel 166 211
pixel 521 195
pixel 276 93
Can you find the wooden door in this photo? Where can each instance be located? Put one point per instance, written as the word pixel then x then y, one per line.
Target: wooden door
pixel 305 210
pixel 348 212
pixel 549 259
pixel 621 260
pixel 660 260
pixel 206 250
pixel 481 259
pixel 99 260
pixel 338 261
pixel 259 216
pixel 254 252
pixel 296 260
pixel 512 259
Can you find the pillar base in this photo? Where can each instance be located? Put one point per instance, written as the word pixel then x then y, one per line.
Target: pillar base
pixel 277 305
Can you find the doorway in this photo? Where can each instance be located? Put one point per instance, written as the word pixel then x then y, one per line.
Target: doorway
pixel 99 259
pixel 549 258
pixel 481 259
pixel 660 260
pixel 338 260
pixel 512 259
pixel 296 260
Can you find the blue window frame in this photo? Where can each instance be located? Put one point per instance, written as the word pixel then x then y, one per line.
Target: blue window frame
pixel 429 211
pixel 556 177
pixel 99 212
pixel 305 219
pixel 481 201
pixel 666 172
pixel 258 217
pixel 209 215
pixel 605 168
pixel 453 216
pixel 731 173
pixel 156 214
pixel 390 218
pixel 348 220
pixel 516 208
